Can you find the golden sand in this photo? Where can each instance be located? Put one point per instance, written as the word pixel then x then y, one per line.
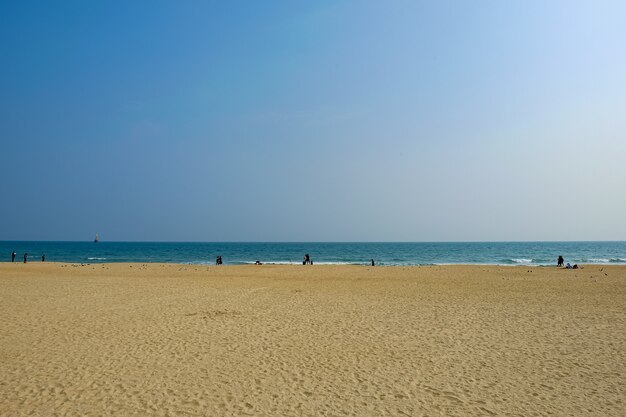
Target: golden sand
pixel 182 340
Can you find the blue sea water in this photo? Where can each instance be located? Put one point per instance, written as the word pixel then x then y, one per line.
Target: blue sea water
pixel 420 253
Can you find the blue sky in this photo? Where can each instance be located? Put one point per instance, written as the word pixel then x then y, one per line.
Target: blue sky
pixel 313 121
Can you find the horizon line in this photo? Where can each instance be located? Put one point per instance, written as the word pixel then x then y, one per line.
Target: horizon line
pixel 314 241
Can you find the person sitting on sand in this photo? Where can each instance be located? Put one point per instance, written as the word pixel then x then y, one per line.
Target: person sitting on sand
pixel 258 262
pixel 568 266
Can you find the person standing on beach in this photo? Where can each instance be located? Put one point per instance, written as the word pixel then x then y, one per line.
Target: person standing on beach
pixel 25 257
pixel 43 258
pixel 13 256
pixel 559 261
pixel 373 264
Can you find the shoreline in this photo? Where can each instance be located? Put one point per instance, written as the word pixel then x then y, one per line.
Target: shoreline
pixel 324 264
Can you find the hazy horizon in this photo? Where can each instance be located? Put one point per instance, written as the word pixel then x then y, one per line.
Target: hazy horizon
pixel 327 122
pixel 312 241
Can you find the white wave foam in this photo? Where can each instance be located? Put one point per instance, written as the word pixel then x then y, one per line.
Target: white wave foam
pixel 599 260
pixel 97 259
pixel 267 262
pixel 522 261
pixel 300 263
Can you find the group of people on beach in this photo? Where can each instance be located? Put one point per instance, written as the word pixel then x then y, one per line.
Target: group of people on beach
pixel 13 255
pixel 560 261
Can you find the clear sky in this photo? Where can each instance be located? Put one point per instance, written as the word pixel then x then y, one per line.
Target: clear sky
pixel 313 121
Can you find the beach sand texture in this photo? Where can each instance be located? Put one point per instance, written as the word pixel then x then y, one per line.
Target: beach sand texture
pixel 186 340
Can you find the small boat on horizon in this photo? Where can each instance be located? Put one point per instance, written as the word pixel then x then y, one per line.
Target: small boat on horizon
pixel 96 239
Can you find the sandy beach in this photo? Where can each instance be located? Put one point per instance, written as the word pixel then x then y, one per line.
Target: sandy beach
pixel 185 340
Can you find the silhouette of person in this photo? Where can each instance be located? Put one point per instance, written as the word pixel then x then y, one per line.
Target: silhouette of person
pixel 43 258
pixel 373 264
pixel 13 256
pixel 560 261
pixel 25 257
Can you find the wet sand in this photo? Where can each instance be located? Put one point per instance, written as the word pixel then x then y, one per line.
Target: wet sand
pixel 184 340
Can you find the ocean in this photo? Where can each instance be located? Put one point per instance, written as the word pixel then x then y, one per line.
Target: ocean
pixel 238 253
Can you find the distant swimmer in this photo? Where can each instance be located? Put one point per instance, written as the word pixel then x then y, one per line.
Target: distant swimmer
pixel 13 256
pixel 560 261
pixel 25 257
